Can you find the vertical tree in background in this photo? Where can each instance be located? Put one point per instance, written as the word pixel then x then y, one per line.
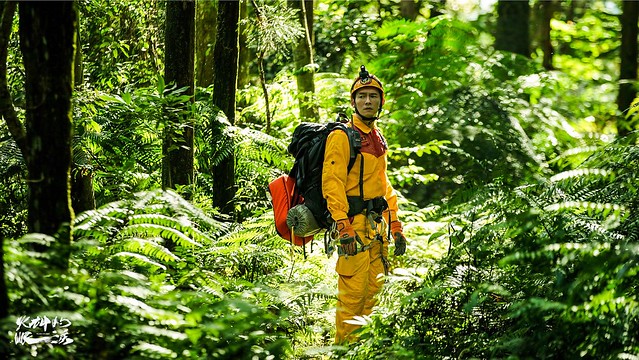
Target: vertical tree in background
pixel 409 9
pixel 512 27
pixel 224 86
pixel 8 112
pixel 47 31
pixel 205 30
pixel 547 9
pixel 243 72
pixel 628 68
pixel 177 148
pixel 437 8
pixel 82 194
pixel 274 28
pixel 303 57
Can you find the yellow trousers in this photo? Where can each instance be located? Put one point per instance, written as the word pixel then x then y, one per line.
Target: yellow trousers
pixel 360 279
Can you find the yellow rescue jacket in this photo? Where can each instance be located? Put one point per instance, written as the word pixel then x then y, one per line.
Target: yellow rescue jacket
pixel 338 183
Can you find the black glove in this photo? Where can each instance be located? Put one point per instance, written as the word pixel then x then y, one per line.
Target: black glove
pixel 398 236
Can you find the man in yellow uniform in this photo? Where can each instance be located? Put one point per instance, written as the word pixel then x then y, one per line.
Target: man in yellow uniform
pixel 362 203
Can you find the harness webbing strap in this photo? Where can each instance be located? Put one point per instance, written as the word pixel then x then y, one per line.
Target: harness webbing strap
pixel 361 178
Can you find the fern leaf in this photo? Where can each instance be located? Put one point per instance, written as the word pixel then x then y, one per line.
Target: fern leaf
pixel 152 230
pixel 590 208
pixel 149 248
pixel 156 331
pixel 581 173
pixel 183 224
pixel 140 259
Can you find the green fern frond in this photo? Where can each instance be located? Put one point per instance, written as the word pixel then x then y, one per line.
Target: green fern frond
pixel 138 259
pixel 11 158
pixel 205 280
pixel 149 247
pixel 152 230
pixel 182 224
pixel 590 208
pixel 138 291
pixel 152 351
pixel 36 239
pixel 582 173
pixel 264 148
pixel 154 332
pixel 175 204
pixel 237 239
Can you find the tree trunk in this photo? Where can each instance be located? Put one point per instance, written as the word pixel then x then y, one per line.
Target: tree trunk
pixel 512 27
pixel 437 8
pixel 628 69
pixel 245 51
pixel 82 194
pixel 4 294
pixel 225 85
pixel 303 57
pixel 267 110
pixel 78 68
pixel 47 31
pixel 7 109
pixel 547 9
pixel 408 9
pixel 177 148
pixel 205 32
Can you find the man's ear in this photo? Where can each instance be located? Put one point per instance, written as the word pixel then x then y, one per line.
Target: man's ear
pixel 352 102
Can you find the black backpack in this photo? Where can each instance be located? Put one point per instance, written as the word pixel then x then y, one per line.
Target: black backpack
pixel 307 146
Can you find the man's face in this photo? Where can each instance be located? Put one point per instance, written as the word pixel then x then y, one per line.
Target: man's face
pixel 367 101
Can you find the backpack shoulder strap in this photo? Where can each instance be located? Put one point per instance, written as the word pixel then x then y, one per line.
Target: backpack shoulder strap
pixel 355 142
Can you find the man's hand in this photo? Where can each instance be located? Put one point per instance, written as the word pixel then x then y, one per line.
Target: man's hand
pixel 348 238
pixel 398 236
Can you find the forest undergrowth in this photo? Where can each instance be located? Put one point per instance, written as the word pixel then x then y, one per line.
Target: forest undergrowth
pixel 519 203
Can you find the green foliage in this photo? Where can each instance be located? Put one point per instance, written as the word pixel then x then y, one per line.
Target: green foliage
pixel 122 43
pixel 524 269
pixel 631 118
pixel 489 108
pixel 121 135
pixel 586 51
pixel 13 193
pixel 128 294
pixel 344 35
pixel 521 211
pixel 274 27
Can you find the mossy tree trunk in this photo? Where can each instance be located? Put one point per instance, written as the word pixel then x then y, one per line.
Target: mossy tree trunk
pixel 177 148
pixel 82 194
pixel 224 87
pixel 546 9
pixel 205 33
pixel 408 9
pixel 303 57
pixel 6 110
pixel 628 67
pixel 243 67
pixel 512 32
pixel 47 32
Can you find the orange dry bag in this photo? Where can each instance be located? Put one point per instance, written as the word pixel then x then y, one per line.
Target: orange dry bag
pixel 284 197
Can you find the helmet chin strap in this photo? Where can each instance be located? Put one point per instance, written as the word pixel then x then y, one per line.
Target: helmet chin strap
pixel 367 119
